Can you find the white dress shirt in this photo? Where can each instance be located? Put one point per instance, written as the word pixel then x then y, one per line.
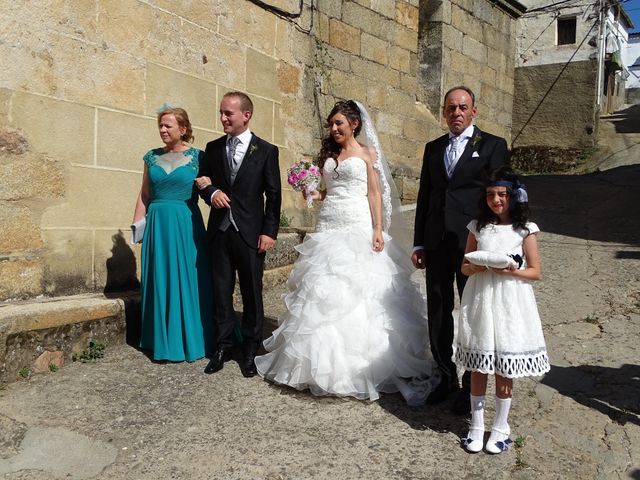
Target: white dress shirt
pixel 243 144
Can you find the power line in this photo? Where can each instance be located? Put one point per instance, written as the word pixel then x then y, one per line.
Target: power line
pixel 286 15
pixel 538 37
pixel 543 8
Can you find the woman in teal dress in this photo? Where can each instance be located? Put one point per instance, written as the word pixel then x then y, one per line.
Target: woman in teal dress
pixel 175 275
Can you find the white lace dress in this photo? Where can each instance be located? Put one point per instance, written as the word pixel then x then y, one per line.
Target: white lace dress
pixel 499 329
pixel 355 322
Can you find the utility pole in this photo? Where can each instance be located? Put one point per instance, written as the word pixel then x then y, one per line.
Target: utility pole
pixel 602 31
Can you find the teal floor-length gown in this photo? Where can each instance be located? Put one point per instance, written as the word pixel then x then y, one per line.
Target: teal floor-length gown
pixel 176 283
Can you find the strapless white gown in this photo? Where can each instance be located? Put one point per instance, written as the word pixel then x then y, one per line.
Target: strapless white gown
pixel 355 323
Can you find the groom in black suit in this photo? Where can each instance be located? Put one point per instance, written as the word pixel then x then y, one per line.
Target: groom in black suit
pixel 243 224
pixel 451 186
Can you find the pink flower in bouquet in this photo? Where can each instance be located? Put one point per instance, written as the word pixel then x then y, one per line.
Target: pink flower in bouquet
pixel 304 176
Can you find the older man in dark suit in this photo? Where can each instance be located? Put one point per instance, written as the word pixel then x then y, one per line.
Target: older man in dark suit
pixel 243 224
pixel 451 185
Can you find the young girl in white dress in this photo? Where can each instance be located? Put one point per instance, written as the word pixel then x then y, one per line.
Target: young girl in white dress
pixel 499 329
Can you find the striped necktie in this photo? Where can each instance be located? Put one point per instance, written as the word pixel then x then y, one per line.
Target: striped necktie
pixel 452 157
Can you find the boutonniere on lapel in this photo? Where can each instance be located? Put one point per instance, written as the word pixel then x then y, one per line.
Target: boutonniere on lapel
pixel 477 139
pixel 253 148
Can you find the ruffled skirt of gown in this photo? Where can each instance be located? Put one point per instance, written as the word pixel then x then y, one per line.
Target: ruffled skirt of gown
pixel 355 322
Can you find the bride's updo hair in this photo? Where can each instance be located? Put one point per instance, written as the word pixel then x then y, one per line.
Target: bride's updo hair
pixel 329 148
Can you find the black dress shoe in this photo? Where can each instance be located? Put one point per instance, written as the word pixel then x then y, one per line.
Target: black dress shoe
pixel 462 403
pixel 248 364
pixel 248 367
pixel 217 361
pixel 442 391
pixel 439 394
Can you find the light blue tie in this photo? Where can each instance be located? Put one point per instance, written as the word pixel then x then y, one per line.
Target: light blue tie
pixel 452 157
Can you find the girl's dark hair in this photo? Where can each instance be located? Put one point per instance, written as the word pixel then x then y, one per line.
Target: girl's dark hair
pixel 519 212
pixel 329 148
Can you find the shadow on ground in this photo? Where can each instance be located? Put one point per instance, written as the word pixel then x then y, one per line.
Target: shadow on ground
pixel 600 206
pixel 627 120
pixel 430 417
pixel 615 392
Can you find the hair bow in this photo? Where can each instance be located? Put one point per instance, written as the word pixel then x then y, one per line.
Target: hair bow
pixel 520 192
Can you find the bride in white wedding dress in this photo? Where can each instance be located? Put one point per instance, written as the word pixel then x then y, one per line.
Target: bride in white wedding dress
pixel 355 323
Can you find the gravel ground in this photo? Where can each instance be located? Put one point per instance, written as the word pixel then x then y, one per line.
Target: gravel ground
pixel 125 417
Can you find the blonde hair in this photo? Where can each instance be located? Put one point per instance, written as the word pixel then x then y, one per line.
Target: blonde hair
pixel 183 120
pixel 246 105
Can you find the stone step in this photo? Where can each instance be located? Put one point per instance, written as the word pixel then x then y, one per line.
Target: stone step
pixel 59 324
pixel 67 324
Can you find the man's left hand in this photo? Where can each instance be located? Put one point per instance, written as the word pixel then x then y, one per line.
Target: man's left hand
pixel 265 242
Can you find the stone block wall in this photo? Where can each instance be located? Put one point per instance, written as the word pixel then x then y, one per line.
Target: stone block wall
pixel 78 98
pixel 368 52
pixel 82 79
pixel 470 43
pixel 563 116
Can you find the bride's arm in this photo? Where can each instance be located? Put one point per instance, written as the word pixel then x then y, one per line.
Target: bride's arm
pixel 315 194
pixel 375 201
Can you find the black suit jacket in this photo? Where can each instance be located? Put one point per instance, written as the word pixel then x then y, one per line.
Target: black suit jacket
pixel 449 204
pixel 255 194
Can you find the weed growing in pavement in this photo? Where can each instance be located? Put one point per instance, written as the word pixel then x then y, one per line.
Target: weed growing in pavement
pixel 519 445
pixel 24 372
pixel 285 220
pixel 592 319
pixel 94 351
pixel 583 157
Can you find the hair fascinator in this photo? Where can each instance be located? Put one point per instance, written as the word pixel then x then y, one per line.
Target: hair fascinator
pixel 164 107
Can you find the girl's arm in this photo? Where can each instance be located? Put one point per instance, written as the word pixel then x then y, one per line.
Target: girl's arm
pixel 375 200
pixel 467 267
pixel 143 198
pixel 532 272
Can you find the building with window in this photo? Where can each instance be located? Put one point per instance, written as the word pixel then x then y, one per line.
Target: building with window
pixel 569 71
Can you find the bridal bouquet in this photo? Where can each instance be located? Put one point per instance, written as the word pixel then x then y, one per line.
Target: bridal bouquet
pixel 304 176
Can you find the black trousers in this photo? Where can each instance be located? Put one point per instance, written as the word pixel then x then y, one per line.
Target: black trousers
pixel 230 254
pixel 442 268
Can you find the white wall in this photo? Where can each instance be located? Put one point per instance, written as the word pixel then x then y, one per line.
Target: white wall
pixel 537 34
pixel 631 58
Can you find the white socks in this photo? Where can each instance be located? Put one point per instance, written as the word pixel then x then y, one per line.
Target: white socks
pixel 499 439
pixel 473 442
